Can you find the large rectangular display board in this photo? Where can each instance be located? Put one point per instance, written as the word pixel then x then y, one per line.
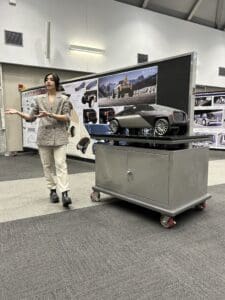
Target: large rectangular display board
pixel 209 116
pixel 97 98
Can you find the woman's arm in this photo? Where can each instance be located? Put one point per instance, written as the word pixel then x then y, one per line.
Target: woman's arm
pixel 12 111
pixel 63 118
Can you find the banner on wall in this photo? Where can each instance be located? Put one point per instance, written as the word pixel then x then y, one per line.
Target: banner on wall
pixel 209 117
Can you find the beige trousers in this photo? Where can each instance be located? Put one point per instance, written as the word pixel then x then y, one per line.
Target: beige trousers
pixel 54 160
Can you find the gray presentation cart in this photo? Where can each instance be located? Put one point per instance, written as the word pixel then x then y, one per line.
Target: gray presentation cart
pixel 168 181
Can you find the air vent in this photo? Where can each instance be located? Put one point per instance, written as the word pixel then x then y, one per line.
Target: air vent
pixel 13 38
pixel 221 71
pixel 141 58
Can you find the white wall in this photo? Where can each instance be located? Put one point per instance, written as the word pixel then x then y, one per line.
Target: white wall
pixel 12 75
pixel 121 29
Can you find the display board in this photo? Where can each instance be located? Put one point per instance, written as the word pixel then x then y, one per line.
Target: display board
pixel 209 117
pixel 97 98
pixel 30 128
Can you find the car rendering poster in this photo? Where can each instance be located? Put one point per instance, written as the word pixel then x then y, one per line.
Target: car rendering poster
pixel 126 88
pixel 97 100
pixel 209 117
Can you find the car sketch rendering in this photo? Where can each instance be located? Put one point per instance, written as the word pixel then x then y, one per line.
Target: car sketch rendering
pixel 81 86
pixel 89 97
pixel 100 129
pixel 222 139
pixel 162 119
pixel 91 84
pixel 106 114
pixel 208 119
pixel 89 116
pixel 124 87
pixel 203 101
pixel 83 144
pixel 219 100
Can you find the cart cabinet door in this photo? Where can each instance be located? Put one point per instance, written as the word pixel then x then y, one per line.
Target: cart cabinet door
pixel 111 166
pixel 189 173
pixel 147 177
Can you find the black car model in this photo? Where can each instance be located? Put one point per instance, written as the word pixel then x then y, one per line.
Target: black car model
pixel 163 120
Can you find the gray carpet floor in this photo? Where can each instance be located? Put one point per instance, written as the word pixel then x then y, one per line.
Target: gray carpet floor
pixel 28 165
pixel 115 251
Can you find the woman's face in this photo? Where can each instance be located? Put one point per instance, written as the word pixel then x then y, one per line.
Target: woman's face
pixel 50 83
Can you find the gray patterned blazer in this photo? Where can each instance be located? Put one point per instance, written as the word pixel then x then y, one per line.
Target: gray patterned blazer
pixel 50 131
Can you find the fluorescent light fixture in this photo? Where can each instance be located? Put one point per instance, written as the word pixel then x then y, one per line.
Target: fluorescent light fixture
pixel 86 49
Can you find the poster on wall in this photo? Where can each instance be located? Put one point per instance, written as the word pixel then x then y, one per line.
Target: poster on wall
pixel 209 117
pixel 83 95
pixel 30 128
pixel 97 100
pixel 127 88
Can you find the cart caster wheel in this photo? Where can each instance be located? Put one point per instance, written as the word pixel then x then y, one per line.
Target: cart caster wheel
pixel 167 222
pixel 201 206
pixel 95 196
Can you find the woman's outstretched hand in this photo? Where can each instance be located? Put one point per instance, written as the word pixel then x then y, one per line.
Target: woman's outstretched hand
pixel 11 111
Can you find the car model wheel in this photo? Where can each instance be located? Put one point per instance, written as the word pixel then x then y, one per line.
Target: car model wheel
pixel 161 127
pixel 114 126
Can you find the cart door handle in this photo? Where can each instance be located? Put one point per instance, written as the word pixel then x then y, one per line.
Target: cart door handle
pixel 129 173
pixel 130 176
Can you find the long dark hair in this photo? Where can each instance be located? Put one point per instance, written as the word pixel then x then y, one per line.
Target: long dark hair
pixel 55 78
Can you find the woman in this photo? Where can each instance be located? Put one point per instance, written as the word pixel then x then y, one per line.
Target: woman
pixel 53 109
